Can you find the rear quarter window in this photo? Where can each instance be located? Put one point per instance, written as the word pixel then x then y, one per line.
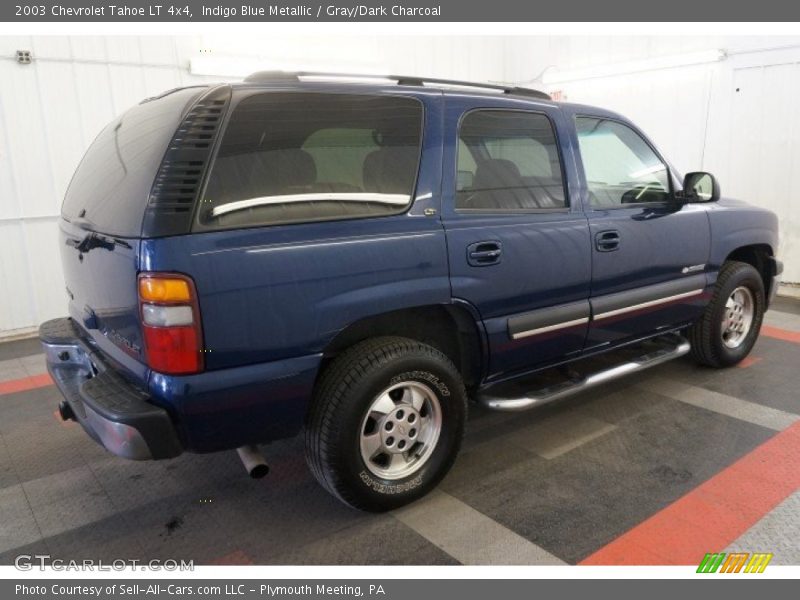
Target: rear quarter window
pixel 112 183
pixel 302 157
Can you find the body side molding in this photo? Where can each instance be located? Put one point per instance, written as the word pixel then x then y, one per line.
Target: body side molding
pixel 549 319
pixel 651 295
pixel 553 318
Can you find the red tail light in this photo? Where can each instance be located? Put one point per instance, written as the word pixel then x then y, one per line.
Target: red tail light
pixel 170 316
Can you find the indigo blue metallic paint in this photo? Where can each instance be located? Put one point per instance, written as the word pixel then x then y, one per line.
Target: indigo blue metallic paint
pixel 102 284
pixel 272 298
pixel 656 242
pixel 240 405
pixel 545 255
pixel 735 224
pixel 269 293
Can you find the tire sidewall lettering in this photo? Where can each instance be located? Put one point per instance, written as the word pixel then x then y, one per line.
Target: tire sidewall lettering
pixel 390 488
pixel 422 377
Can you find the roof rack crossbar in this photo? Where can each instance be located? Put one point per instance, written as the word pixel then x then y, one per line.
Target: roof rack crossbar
pixel 293 76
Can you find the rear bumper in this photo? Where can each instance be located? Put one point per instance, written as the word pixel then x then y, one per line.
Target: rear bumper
pixel 238 406
pixel 111 410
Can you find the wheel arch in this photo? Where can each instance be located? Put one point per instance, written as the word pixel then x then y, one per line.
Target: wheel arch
pixel 761 257
pixel 453 329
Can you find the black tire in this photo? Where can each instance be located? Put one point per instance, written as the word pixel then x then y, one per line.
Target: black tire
pixel 343 396
pixel 705 335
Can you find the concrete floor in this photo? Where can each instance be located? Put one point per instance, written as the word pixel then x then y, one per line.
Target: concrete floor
pixel 589 479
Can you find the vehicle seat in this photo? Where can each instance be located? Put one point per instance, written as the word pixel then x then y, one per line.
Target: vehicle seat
pixel 255 174
pixel 390 170
pixel 498 184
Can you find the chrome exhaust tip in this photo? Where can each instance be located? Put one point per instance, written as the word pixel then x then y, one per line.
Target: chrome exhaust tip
pixel 253 461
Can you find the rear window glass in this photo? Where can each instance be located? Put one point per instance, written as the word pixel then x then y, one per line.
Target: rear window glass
pixel 112 184
pixel 299 157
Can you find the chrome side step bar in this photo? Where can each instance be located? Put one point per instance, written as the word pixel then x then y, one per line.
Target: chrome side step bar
pixel 678 347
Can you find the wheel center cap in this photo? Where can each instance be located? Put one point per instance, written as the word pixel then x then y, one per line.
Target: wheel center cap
pixel 399 430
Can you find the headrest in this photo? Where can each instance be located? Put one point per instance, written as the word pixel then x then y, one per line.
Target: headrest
pixel 294 167
pixel 496 173
pixel 390 170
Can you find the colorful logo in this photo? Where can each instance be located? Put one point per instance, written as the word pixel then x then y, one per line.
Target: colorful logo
pixel 734 562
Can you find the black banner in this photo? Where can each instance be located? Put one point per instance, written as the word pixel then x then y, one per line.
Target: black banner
pixel 389 589
pixel 398 11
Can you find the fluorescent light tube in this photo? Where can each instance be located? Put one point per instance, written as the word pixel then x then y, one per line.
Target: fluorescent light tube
pixel 241 67
pixel 637 66
pixel 227 66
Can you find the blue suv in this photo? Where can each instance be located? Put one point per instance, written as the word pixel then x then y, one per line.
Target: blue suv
pixel 355 259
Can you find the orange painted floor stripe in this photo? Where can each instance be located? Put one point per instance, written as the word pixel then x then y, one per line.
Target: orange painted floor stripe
pixel 26 383
pixel 781 334
pixel 748 361
pixel 714 514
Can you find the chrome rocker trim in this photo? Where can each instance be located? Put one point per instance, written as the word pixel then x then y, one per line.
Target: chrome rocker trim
pixel 678 346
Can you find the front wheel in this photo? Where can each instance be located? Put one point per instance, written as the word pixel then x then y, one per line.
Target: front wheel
pixel 732 320
pixel 386 423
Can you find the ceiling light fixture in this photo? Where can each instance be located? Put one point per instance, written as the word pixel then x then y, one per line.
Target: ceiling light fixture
pixel 555 76
pixel 240 67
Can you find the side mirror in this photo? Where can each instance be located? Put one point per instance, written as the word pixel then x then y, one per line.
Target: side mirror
pixel 700 186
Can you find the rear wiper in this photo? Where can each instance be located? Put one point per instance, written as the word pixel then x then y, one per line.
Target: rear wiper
pixel 94 240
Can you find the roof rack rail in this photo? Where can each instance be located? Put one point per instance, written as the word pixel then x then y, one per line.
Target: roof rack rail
pixel 294 76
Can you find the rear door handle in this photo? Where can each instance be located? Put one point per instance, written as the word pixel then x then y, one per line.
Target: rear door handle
pixel 607 241
pixel 483 254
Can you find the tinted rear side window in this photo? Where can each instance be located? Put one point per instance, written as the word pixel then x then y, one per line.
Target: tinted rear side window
pixel 300 157
pixel 508 161
pixel 111 186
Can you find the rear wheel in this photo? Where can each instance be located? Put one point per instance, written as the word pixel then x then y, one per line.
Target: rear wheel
pixel 386 423
pixel 731 322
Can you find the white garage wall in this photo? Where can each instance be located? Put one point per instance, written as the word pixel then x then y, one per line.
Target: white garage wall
pixel 52 109
pixel 738 118
pixel 49 113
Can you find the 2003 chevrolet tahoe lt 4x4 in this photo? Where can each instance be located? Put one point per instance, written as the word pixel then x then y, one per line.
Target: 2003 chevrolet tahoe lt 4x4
pixel 354 259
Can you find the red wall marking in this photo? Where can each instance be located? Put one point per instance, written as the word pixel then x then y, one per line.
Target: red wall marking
pixel 26 383
pixel 714 514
